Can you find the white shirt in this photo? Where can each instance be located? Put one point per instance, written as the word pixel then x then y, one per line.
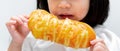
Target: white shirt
pixel 32 44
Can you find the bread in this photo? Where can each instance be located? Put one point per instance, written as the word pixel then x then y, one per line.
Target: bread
pixel 67 32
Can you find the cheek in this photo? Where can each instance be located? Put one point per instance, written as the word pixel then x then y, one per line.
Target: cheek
pixel 81 13
pixel 82 10
pixel 52 9
pixel 50 6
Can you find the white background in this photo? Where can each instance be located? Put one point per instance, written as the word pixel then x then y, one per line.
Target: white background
pixel 10 8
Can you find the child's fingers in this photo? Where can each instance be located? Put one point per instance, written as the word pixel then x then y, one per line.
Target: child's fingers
pixel 10 22
pixel 99 47
pixel 23 19
pixel 17 19
pixel 11 26
pixel 26 16
pixel 93 42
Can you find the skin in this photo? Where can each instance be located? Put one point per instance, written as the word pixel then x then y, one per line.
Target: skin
pixel 72 9
pixel 17 26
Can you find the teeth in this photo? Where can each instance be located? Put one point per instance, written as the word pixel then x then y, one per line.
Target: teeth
pixel 65 16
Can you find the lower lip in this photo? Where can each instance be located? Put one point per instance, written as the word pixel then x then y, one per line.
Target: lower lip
pixel 65 16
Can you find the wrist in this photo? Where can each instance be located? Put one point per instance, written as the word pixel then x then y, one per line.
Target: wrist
pixel 14 46
pixel 16 43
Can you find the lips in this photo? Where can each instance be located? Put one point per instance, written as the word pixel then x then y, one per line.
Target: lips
pixel 65 16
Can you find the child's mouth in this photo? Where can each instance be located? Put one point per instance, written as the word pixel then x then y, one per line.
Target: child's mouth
pixel 65 16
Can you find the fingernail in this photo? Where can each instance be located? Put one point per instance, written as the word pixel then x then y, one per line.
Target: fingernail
pixel 92 42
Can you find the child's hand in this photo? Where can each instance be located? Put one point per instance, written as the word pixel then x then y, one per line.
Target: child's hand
pixel 98 45
pixel 18 28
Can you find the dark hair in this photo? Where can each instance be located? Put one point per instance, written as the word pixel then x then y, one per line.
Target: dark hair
pixel 97 14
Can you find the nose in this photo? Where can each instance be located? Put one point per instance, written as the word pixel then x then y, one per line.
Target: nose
pixel 64 4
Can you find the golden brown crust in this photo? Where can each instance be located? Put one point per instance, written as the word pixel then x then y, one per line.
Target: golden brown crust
pixel 66 32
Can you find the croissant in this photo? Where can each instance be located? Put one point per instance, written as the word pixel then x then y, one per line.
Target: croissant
pixel 67 32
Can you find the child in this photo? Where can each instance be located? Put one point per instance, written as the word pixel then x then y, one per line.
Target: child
pixel 93 12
